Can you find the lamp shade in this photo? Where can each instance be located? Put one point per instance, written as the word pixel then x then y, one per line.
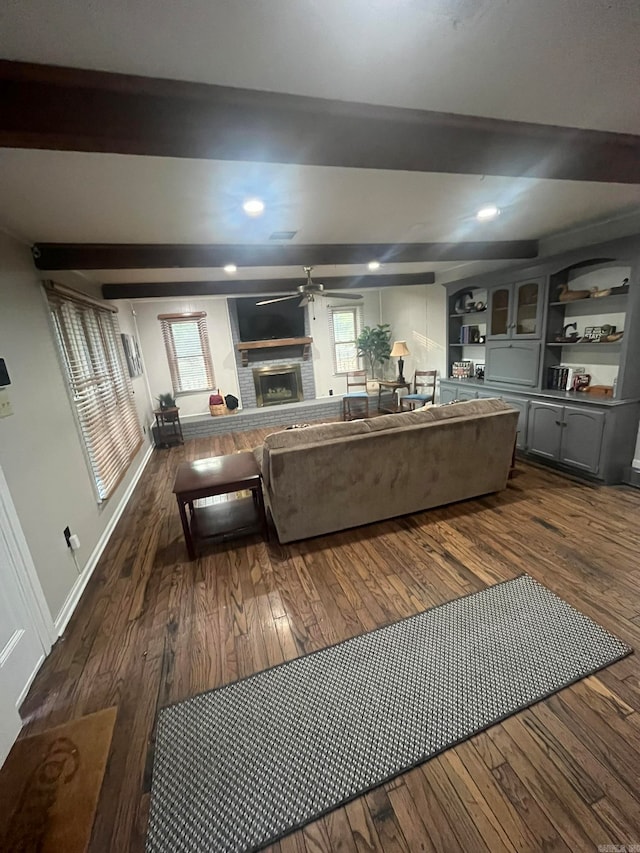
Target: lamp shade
pixel 400 349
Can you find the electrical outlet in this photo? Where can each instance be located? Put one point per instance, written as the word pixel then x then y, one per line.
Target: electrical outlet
pixel 5 404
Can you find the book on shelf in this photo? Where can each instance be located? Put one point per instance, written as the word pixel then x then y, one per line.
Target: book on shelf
pixel 469 334
pixel 561 377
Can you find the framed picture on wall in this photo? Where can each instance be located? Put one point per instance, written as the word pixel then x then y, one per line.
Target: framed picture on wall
pixel 132 354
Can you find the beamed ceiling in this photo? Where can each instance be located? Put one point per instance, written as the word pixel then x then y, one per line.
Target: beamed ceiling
pixel 373 130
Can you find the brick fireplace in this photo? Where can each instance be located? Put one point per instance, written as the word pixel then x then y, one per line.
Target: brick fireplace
pixel 289 356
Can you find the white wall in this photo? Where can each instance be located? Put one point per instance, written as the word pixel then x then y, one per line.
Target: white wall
pixel 417 315
pixel 155 356
pixel 40 450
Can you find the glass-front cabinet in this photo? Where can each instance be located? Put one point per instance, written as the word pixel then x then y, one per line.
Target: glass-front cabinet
pixel 515 310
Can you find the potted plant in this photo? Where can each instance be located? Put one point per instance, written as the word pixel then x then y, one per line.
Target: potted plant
pixel 166 401
pixel 374 345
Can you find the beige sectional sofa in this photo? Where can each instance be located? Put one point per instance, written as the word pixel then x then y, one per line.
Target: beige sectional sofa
pixel 333 476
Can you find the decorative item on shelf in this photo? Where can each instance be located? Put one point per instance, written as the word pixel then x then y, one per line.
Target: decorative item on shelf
pixel 567 295
pixel 482 339
pixel 621 289
pixel 400 349
pixel 596 294
pixel 580 381
pixel 596 334
pixel 461 369
pixel 480 307
pixel 599 390
pixel 166 401
pixel 612 338
pixel 462 302
pixel 565 337
pixel 480 371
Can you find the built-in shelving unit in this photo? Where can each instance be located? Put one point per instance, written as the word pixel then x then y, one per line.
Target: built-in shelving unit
pixel 527 345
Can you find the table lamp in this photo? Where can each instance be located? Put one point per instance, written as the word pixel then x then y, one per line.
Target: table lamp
pixel 399 350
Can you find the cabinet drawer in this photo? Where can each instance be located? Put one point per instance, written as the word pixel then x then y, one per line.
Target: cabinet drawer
pixel 512 362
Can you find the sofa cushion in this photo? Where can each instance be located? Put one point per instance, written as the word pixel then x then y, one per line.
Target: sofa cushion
pixel 468 407
pixel 419 416
pixel 309 435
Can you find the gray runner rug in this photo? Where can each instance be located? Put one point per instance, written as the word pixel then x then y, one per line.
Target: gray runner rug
pixel 239 767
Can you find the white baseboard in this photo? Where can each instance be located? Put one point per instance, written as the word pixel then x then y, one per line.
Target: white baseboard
pixel 71 601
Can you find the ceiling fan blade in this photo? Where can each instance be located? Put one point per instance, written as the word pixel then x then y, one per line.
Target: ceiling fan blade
pixel 279 299
pixel 343 295
pixel 304 301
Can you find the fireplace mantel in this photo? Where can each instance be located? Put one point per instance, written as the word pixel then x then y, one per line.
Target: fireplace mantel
pixel 245 346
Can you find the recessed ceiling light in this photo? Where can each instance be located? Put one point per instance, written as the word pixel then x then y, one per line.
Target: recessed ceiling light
pixel 488 212
pixel 253 206
pixel 231 268
pixel 374 265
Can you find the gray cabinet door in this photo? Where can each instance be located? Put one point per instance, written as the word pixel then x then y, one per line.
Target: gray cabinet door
pixel 544 432
pixel 512 362
pixel 522 407
pixel 582 438
pixel 447 394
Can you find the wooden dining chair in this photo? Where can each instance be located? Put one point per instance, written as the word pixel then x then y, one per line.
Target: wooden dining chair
pixel 356 379
pixel 424 390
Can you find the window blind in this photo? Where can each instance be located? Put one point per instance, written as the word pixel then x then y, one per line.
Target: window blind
pixel 88 338
pixel 344 328
pixel 186 341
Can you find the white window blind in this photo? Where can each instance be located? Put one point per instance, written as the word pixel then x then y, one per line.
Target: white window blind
pixel 88 337
pixel 186 341
pixel 344 327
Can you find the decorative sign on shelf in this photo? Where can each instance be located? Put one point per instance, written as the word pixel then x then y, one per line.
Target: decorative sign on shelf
pixel 461 369
pixel 596 333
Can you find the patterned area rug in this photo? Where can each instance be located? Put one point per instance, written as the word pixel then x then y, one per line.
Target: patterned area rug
pixel 239 767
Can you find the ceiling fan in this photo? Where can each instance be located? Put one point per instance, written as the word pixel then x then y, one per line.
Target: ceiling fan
pixel 308 291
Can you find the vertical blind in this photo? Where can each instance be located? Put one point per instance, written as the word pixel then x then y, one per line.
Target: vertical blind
pixel 186 341
pixel 88 338
pixel 344 328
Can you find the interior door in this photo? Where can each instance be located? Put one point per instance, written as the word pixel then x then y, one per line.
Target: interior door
pixel 21 644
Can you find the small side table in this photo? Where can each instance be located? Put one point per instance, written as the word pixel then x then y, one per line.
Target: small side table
pixel 389 387
pixel 168 429
pixel 220 475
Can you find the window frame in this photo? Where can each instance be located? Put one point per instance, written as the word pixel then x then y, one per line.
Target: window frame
pixel 88 343
pixel 358 320
pixel 167 323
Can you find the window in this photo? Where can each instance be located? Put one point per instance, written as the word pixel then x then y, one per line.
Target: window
pixel 88 337
pixel 344 327
pixel 187 343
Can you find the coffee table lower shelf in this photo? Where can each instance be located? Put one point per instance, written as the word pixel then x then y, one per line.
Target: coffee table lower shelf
pixel 226 519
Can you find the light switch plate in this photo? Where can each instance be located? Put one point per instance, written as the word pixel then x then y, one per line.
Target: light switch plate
pixel 5 404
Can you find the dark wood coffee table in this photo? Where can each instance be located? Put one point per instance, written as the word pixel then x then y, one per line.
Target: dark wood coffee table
pixel 219 475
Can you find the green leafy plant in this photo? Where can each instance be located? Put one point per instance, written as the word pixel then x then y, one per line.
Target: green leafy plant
pixel 167 401
pixel 374 345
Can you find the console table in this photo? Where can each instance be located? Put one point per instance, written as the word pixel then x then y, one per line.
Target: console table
pixel 219 475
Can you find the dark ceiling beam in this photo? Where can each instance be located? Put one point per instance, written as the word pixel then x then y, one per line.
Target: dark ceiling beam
pixel 72 109
pixel 130 256
pixel 248 287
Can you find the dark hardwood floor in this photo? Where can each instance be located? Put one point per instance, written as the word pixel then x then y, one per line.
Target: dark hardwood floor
pixel 153 628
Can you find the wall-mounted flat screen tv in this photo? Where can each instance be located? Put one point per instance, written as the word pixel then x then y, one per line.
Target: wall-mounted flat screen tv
pixel 269 322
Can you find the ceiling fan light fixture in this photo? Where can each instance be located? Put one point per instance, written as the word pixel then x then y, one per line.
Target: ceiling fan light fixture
pixel 487 213
pixel 230 268
pixel 374 265
pixel 253 206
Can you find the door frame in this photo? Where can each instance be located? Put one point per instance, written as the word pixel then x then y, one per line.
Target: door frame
pixel 23 568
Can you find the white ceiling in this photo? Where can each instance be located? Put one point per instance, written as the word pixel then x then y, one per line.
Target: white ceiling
pixel 568 62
